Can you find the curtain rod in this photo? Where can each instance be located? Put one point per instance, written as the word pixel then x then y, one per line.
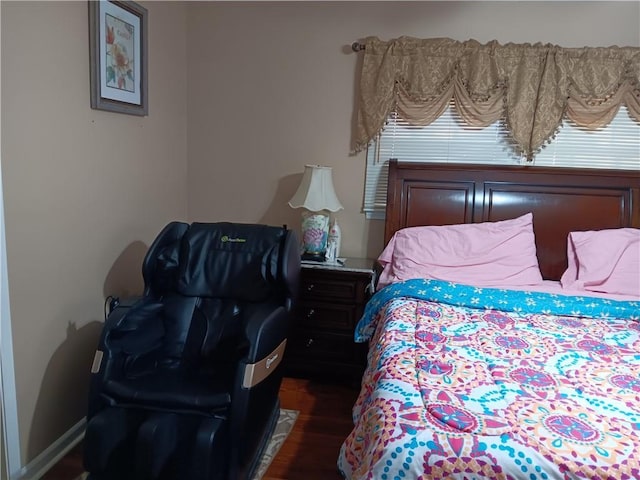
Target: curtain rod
pixel 357 46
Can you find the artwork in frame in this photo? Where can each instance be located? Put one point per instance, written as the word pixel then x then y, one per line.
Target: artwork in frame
pixel 118 57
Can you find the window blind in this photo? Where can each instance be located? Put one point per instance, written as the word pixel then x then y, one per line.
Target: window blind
pixel 448 139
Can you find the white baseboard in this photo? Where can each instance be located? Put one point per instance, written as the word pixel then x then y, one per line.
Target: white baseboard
pixel 51 455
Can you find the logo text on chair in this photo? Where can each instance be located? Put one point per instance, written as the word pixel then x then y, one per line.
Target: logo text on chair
pixel 226 238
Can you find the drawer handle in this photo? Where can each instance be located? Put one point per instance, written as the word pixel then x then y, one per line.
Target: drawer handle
pixel 309 342
pixel 311 313
pixel 310 287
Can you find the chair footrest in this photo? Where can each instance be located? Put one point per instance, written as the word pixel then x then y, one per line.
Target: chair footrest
pixel 157 439
pixel 111 435
pixel 130 443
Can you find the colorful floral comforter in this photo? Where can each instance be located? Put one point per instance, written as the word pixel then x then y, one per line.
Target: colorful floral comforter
pixel 474 383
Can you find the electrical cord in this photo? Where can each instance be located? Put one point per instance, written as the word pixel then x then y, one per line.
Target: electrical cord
pixel 110 303
pixel 107 301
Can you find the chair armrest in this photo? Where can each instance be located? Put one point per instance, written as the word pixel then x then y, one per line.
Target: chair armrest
pixel 127 321
pixel 266 327
pixel 125 335
pixel 116 315
pixel 104 352
pixel 118 344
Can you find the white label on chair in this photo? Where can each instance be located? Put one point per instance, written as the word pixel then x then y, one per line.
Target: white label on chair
pixel 97 361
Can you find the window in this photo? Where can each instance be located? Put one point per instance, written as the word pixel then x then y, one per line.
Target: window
pixel 448 139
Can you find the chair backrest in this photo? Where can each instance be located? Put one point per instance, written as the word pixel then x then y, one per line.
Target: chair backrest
pixel 231 260
pixel 205 274
pixel 248 262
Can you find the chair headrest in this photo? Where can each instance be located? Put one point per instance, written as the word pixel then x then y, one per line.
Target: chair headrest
pixel 230 260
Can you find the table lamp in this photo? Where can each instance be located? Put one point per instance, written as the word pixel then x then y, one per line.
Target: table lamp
pixel 318 197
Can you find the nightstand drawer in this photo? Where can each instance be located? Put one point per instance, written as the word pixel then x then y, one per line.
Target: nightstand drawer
pixel 313 287
pixel 330 303
pixel 326 316
pixel 328 347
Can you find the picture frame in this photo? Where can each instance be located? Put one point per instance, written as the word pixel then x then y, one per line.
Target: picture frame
pixel 118 52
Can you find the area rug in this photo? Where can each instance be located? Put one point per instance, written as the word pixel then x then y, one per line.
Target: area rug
pixel 286 420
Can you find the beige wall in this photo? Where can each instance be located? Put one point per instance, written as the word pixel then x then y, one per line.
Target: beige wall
pixel 85 192
pixel 241 96
pixel 271 88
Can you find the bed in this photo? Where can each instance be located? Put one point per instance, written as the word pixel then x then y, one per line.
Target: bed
pixel 502 375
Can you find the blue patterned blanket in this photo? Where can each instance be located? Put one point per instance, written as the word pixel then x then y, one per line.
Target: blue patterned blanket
pixel 494 299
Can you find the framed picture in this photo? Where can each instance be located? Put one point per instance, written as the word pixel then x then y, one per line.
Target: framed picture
pixel 118 57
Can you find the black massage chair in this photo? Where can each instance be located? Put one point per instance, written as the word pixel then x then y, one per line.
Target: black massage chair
pixel 185 380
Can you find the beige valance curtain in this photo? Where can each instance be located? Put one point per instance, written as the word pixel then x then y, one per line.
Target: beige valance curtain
pixel 529 86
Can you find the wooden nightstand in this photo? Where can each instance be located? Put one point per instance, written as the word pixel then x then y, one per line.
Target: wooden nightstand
pixel 330 303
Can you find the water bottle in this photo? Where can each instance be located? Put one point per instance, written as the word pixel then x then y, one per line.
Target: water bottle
pixel 333 241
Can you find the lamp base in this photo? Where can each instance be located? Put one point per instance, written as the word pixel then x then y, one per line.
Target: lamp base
pixel 315 228
pixel 314 257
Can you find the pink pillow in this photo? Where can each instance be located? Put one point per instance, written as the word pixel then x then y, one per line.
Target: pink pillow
pixel 484 254
pixel 604 261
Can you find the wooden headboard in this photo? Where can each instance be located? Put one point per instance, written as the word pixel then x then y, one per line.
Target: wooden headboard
pixel 561 200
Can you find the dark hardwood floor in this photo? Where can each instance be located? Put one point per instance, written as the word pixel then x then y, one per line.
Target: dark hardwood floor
pixel 311 449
